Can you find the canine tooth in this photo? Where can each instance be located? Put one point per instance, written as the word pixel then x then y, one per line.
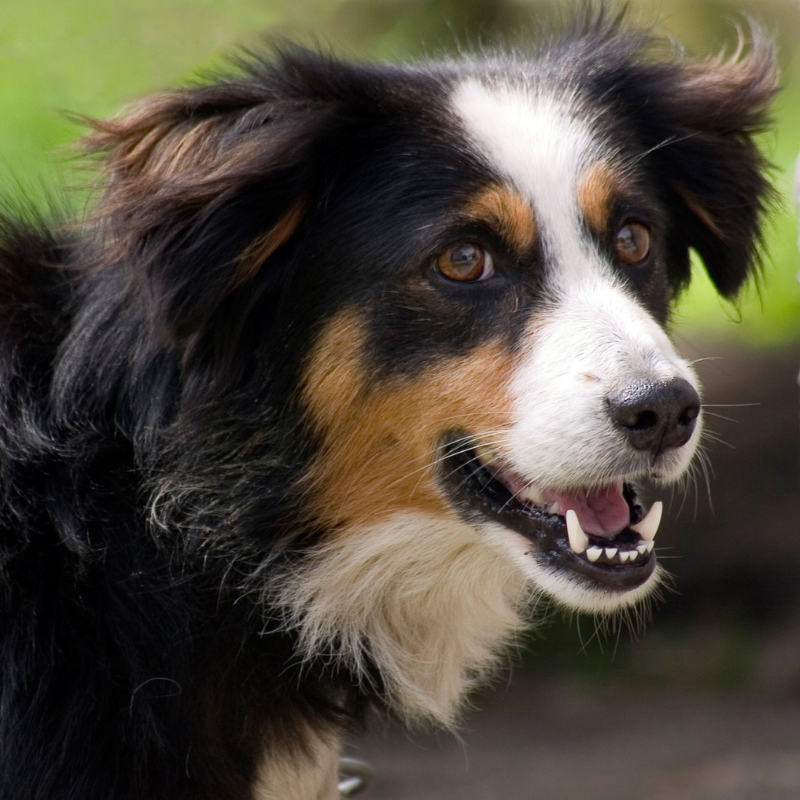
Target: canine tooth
pixel 532 495
pixel 648 527
pixel 554 508
pixel 578 540
pixel 611 552
pixel 486 455
pixel 593 553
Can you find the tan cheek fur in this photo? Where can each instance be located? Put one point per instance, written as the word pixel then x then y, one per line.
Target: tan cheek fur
pixel 402 583
pixel 380 443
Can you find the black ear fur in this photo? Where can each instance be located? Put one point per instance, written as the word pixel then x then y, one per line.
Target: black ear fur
pixel 718 171
pixel 695 123
pixel 204 184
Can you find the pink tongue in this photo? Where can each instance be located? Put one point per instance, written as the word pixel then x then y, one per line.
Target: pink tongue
pixel 602 512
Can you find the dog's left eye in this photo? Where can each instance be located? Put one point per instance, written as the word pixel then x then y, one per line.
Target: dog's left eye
pixel 633 243
pixel 465 261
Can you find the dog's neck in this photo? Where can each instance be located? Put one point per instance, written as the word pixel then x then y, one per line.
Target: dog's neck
pixel 429 639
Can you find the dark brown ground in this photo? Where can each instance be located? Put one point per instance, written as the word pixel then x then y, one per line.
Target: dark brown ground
pixel 706 704
pixel 544 741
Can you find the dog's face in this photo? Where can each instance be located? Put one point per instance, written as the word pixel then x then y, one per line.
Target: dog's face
pixel 500 362
pixel 456 278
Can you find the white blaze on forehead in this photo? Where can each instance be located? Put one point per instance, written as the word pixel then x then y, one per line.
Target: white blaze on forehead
pixel 593 338
pixel 541 144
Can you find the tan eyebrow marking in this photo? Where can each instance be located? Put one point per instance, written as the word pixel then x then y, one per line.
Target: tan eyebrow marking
pixel 596 190
pixel 507 212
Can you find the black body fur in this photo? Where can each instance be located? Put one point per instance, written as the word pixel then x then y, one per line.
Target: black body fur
pixel 153 446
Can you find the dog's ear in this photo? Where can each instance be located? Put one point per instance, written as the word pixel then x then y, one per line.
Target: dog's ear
pixel 696 122
pixel 207 184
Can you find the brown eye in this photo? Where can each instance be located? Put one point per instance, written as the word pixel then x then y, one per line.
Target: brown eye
pixel 633 243
pixel 465 262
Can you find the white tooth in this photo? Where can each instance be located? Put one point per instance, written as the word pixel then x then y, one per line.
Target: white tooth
pixel 487 456
pixel 624 556
pixel 593 553
pixel 532 495
pixel 554 508
pixel 633 555
pixel 645 547
pixel 578 540
pixel 611 552
pixel 648 527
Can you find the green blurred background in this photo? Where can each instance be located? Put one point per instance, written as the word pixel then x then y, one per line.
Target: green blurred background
pixel 731 630
pixel 92 56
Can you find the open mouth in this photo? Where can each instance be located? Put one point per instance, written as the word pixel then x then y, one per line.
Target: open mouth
pixel 598 533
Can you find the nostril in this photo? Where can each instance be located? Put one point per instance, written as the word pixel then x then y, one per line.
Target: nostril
pixel 644 421
pixel 656 416
pixel 689 414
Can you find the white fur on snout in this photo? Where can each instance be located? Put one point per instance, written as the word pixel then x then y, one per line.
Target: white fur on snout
pixel 592 343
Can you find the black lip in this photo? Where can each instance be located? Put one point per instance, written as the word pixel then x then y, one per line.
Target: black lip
pixel 478 495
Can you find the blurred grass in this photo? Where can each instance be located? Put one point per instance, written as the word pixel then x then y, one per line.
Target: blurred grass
pixel 92 56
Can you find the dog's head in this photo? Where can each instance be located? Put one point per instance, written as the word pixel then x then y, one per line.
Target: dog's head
pixel 458 276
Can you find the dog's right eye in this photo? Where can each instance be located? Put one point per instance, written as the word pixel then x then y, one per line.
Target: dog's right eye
pixel 464 262
pixel 633 243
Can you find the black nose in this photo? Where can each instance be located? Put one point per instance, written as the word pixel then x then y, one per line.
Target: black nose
pixel 656 416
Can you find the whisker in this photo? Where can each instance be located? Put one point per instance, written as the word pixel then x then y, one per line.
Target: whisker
pixel 705 465
pixel 683 486
pixel 665 143
pixel 731 405
pixel 365 465
pixel 720 416
pixel 468 443
pixel 713 437
pixel 694 361
pixel 616 641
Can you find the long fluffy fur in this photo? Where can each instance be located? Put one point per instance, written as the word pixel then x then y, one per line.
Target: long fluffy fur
pixel 193 601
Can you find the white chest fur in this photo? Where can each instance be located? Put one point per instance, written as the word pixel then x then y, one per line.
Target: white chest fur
pixel 312 775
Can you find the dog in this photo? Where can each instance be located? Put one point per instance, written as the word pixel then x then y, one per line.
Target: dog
pixel 349 363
